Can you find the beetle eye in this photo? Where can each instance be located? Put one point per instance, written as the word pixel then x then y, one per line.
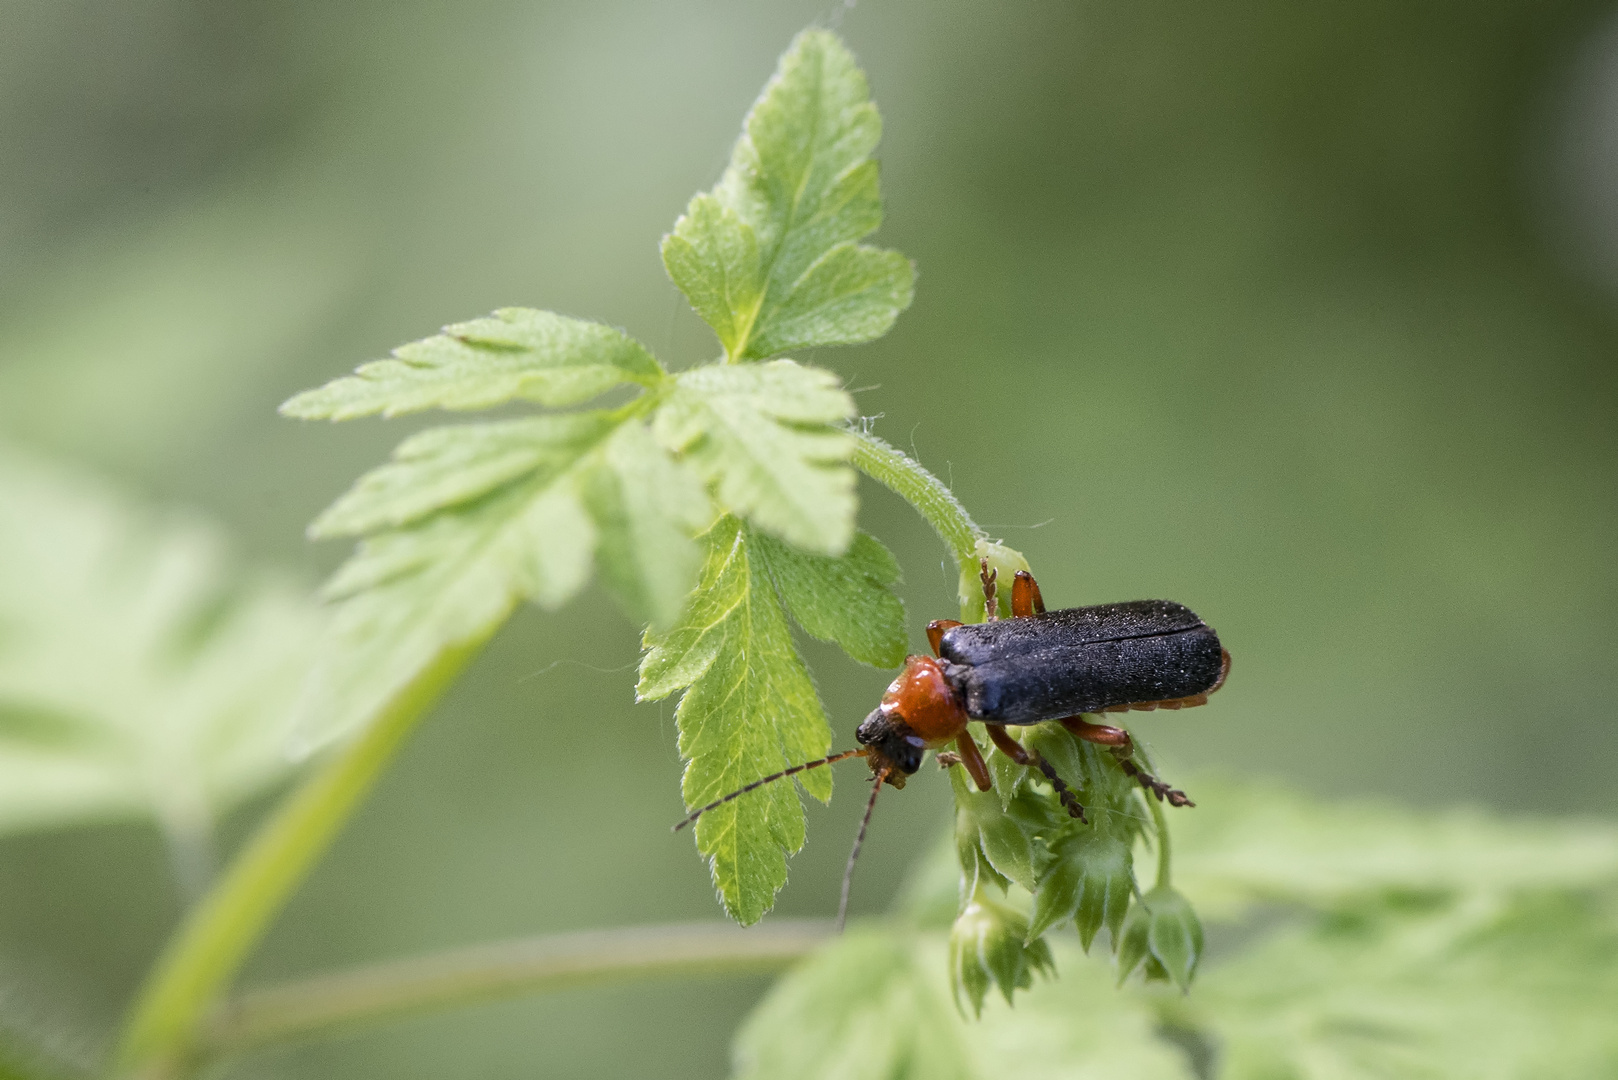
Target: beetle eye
pixel 917 741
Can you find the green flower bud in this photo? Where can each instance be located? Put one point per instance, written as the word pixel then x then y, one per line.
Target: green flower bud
pixel 1003 561
pixel 1161 932
pixel 986 945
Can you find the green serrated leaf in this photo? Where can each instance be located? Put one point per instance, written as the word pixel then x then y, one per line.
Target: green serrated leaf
pixel 762 435
pixel 467 521
pixel 769 257
pixel 453 468
pixel 1090 880
pixel 646 508
pixel 851 294
pixel 749 709
pixel 712 255
pixel 847 599
pixel 141 674
pixel 517 354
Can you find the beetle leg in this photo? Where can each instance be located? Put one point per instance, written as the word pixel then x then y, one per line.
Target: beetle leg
pixel 972 758
pixel 1099 733
pixel 1025 598
pixel 1008 746
pixel 991 602
pixel 1019 753
pixel 1175 796
pixel 1123 748
pixel 936 630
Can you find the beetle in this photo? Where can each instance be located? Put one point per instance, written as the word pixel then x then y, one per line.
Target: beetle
pixel 1034 667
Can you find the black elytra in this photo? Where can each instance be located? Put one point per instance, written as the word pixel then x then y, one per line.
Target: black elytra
pixel 1056 664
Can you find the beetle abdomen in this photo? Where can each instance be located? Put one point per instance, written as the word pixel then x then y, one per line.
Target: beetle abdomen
pixel 1078 660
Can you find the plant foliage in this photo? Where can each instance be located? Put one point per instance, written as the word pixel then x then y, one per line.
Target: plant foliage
pixel 716 504
pixel 140 674
pixel 1473 947
pixel 770 257
pixel 1019 839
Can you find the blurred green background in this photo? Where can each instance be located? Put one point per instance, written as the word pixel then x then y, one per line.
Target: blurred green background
pixel 1300 314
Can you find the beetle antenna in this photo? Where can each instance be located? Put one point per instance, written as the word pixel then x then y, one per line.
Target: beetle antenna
pixel 859 839
pixel 815 764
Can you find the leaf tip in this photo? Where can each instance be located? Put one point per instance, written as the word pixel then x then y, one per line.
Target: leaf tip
pixel 304 405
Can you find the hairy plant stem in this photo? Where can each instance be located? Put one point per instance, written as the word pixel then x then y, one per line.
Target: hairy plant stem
pixel 161 1029
pixel 1165 853
pixel 381 992
pixel 905 477
pixel 1165 856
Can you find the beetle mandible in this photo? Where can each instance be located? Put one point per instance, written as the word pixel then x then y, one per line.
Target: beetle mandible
pixel 1034 667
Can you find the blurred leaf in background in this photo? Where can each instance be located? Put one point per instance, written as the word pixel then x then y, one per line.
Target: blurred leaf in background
pixel 140 672
pixel 1406 963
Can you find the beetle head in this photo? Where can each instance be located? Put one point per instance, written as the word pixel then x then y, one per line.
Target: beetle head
pixel 889 741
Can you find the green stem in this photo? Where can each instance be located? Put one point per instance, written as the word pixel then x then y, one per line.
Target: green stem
pixel 906 478
pixel 160 1031
pixel 381 992
pixel 1165 857
pixel 1165 854
pixel 968 543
